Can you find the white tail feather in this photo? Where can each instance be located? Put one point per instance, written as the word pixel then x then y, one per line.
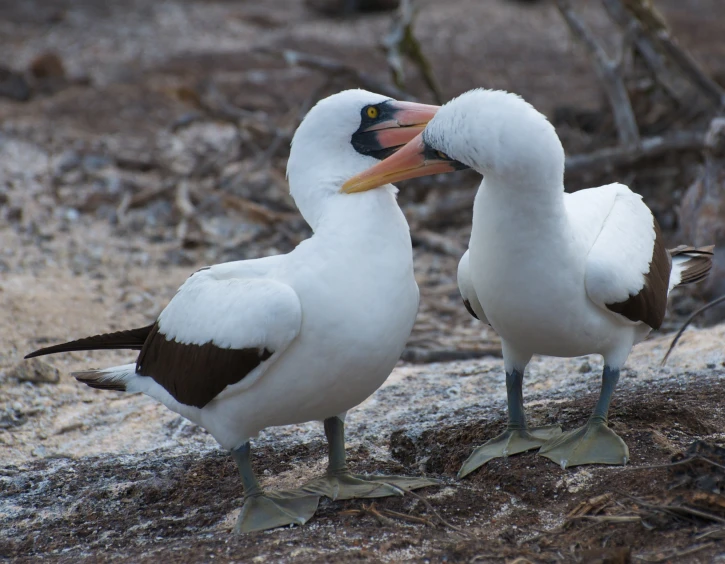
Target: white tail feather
pixel 689 264
pixel 114 378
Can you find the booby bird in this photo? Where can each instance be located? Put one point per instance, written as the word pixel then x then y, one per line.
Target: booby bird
pixel 553 273
pixel 298 337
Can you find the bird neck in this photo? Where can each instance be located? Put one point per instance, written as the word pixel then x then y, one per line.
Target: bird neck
pixel 502 205
pixel 370 214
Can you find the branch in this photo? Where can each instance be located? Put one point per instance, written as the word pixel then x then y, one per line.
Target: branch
pixel 611 157
pixel 608 72
pixel 684 60
pixel 402 39
pixel 651 56
pixel 656 32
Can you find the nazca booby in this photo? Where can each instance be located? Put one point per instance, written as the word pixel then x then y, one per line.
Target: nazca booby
pixel 553 273
pixel 304 336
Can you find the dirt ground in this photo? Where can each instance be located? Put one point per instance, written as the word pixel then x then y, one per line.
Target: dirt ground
pixel 162 106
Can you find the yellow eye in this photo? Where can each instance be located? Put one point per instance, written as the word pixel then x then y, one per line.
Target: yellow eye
pixel 442 155
pixel 372 112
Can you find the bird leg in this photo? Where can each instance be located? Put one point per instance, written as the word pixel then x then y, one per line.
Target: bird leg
pixel 594 443
pixel 262 511
pixel 339 483
pixel 518 436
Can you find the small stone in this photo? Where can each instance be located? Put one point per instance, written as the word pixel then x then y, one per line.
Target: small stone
pixel 13 85
pixel 47 65
pixel 67 161
pixel 35 370
pixel 585 367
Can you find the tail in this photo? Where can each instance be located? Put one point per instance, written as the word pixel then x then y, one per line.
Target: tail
pixel 115 378
pixel 690 264
pixel 132 339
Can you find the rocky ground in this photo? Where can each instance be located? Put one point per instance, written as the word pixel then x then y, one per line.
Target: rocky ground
pixel 140 141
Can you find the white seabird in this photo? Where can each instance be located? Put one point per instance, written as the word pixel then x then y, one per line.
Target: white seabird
pixel 553 273
pixel 298 337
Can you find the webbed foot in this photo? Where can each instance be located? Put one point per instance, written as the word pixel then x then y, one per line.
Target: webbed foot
pixel 276 509
pixel 594 443
pixel 346 485
pixel 511 441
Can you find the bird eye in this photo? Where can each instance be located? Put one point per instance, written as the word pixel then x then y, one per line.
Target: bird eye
pixel 372 112
pixel 442 155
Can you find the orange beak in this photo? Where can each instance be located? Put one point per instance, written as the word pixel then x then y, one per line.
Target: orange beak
pixel 411 161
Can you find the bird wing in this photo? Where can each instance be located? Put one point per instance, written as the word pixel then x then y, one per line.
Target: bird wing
pixel 224 328
pixel 468 293
pixel 628 266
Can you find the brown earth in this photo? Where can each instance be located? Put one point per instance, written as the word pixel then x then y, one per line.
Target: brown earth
pixel 127 104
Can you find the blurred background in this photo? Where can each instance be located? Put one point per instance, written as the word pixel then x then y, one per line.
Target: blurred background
pixel 139 140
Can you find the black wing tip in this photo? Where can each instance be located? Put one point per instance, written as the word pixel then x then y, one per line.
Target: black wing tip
pixel 469 308
pixel 131 339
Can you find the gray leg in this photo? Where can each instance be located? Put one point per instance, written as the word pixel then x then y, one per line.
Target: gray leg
pixel 266 511
pixel 594 443
pixel 518 437
pixel 610 379
pixel 339 483
pixel 335 433
pixel 515 399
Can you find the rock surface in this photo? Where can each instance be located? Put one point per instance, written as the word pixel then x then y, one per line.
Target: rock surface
pixel 86 471
pixel 35 370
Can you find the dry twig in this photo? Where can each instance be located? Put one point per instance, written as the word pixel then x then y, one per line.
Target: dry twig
pixel 656 27
pixel 687 323
pixel 676 463
pixel 610 157
pixel 652 57
pixel 610 75
pixel 256 211
pixel 437 515
pixel 677 554
pixel 402 41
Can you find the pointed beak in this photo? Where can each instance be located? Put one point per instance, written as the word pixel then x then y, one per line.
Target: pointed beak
pixel 404 121
pixel 409 162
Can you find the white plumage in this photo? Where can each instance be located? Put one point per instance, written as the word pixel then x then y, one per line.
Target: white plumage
pixel 554 273
pixel 298 337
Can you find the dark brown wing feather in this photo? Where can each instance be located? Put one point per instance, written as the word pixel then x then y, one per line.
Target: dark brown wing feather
pixel 132 339
pixel 650 303
pixel 195 374
pixel 699 264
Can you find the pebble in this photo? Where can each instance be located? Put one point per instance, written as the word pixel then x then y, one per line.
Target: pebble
pixel 35 370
